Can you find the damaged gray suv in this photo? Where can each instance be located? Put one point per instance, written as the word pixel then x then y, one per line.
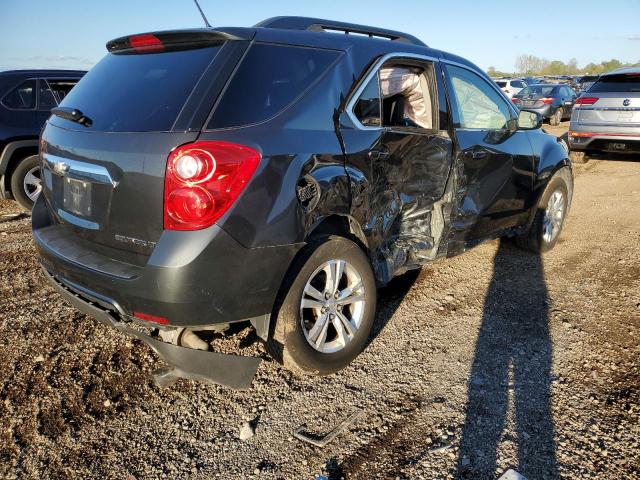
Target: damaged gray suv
pixel 278 175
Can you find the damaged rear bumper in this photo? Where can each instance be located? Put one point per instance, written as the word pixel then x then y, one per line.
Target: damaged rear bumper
pixel 233 371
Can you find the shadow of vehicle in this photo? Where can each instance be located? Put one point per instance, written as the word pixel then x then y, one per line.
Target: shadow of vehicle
pixel 512 364
pixel 390 297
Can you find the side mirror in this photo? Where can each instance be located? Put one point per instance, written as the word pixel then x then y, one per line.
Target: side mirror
pixel 528 120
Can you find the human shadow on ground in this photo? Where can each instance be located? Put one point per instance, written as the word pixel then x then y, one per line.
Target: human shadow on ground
pixel 512 365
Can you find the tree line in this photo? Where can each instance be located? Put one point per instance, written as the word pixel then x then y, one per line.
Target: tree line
pixel 532 65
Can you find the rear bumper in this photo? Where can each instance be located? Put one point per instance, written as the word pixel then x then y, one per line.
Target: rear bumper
pixel 604 141
pixel 209 367
pixel 192 279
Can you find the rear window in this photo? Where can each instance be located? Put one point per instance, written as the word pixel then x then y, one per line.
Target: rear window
pixel 538 90
pixel 617 83
pixel 136 93
pixel 270 78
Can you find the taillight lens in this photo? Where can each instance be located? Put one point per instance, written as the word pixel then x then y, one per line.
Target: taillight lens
pixel 547 101
pixel 515 100
pixel 586 100
pixel 151 318
pixel 146 43
pixel 202 181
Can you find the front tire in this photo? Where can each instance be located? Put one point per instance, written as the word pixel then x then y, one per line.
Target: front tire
pixel 26 183
pixel 327 309
pixel 551 213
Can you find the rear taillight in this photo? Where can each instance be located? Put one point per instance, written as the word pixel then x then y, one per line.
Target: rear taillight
pixel 202 181
pixel 151 318
pixel 515 100
pixel 146 43
pixel 586 100
pixel 547 101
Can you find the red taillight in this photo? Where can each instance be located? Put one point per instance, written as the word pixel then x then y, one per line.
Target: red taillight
pixel 146 43
pixel 515 100
pixel 202 181
pixel 151 318
pixel 547 101
pixel 586 100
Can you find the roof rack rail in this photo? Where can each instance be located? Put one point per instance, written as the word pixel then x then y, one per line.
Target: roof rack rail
pixel 322 25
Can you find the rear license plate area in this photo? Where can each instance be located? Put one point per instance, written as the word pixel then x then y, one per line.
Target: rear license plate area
pixel 76 197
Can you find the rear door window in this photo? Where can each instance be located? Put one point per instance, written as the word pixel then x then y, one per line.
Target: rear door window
pixel 617 83
pixel 46 98
pixel 270 78
pixel 138 93
pixel 23 97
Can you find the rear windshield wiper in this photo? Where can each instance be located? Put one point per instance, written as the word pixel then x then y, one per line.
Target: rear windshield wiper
pixel 72 114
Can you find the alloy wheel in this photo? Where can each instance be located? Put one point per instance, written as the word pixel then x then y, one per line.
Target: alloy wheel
pixel 553 217
pixel 332 306
pixel 32 183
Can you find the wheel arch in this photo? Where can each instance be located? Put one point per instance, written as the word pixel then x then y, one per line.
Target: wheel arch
pixel 11 155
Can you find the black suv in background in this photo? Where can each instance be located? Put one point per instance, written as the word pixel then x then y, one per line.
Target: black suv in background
pixel 278 175
pixel 26 98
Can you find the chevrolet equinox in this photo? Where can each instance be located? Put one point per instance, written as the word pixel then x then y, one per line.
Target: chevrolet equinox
pixel 278 175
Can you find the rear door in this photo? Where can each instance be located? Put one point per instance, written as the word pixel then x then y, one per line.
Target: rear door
pixel 104 178
pixel 497 159
pixel 399 159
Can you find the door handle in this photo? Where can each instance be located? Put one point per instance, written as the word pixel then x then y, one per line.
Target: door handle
pixel 475 154
pixel 376 155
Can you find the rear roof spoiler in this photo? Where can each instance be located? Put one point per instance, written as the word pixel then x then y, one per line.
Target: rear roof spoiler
pixel 322 25
pixel 169 40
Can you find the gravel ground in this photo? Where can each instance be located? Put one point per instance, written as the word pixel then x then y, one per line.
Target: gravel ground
pixel 493 360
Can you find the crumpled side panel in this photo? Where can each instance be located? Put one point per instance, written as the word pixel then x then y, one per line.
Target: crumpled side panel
pixel 408 202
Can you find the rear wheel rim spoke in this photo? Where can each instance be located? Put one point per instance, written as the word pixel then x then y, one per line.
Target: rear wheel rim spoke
pixel 332 306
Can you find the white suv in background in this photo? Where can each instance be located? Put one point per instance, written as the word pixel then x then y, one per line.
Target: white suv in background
pixel 510 86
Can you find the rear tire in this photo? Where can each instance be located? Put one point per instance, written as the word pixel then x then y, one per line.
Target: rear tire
pixel 556 118
pixel 26 182
pixel 578 157
pixel 300 339
pixel 550 216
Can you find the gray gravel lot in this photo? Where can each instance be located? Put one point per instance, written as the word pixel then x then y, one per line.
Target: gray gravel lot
pixel 493 360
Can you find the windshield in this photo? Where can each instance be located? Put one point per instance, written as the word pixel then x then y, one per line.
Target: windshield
pixel 138 93
pixel 502 84
pixel 617 83
pixel 537 91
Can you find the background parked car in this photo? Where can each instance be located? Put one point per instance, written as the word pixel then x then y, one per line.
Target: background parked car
pixel 511 86
pixel 607 116
pixel 584 83
pixel 26 98
pixel 554 102
pixel 532 80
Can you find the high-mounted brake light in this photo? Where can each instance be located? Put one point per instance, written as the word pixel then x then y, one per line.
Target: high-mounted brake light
pixel 146 43
pixel 586 100
pixel 202 181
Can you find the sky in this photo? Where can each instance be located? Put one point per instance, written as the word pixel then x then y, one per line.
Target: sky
pixel 73 33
